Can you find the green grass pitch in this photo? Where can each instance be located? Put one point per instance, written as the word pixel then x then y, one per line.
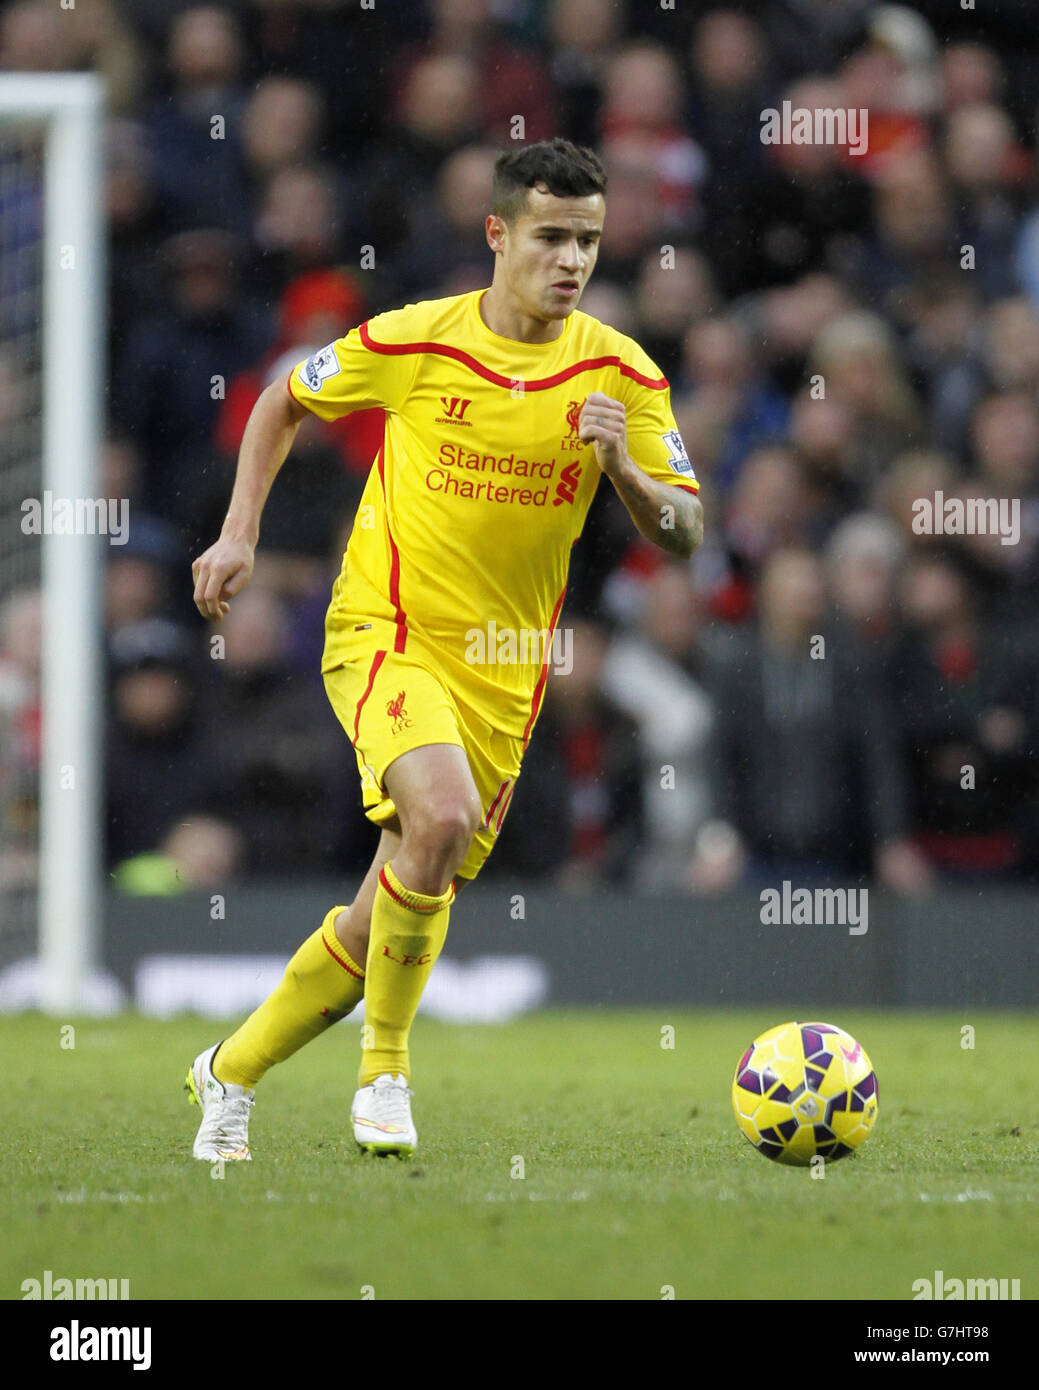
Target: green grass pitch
pixel 635 1180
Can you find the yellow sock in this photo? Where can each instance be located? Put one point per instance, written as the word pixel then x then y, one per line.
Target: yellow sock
pixel 408 931
pixel 321 985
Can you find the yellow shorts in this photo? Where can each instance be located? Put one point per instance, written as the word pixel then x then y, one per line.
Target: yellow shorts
pixel 390 702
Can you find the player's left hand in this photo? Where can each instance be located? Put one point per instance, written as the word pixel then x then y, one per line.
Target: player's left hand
pixel 603 422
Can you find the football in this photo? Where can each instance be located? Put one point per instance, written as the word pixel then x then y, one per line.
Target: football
pixel 805 1090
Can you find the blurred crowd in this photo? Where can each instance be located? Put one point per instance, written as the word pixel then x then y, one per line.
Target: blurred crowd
pixel 822 692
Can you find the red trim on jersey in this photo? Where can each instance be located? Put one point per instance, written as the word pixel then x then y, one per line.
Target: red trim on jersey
pixel 349 969
pixel 377 661
pixel 494 805
pixel 402 629
pixel 288 383
pixel 504 808
pixel 688 487
pixel 588 364
pixel 539 689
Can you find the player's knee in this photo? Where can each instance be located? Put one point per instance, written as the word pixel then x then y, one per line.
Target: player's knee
pixel 446 829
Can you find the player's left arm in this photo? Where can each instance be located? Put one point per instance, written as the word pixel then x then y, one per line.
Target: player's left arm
pixel 665 512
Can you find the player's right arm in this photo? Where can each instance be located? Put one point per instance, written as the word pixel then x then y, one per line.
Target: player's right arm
pixel 361 370
pixel 226 567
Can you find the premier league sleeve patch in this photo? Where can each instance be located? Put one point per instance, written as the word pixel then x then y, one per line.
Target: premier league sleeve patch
pixel 317 369
pixel 677 456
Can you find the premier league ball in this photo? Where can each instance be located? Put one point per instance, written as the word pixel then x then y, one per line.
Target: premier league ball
pixel 805 1090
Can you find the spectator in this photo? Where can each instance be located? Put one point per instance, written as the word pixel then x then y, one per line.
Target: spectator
pixel 582 34
pixel 34 37
pixel 167 390
pixel 140 576
pixel 942 353
pixel 785 321
pixel 675 291
pixel 105 43
pixel 730 88
pixel 656 675
pixel 913 232
pixel 864 556
pixel 277 753
pixel 1010 348
pixel 578 816
pixel 721 370
pixel 436 112
pixel 821 432
pixel 768 509
pixel 642 122
pixel 450 241
pixel 893 76
pixel 194 129
pixel 634 222
pixel 328 45
pixel 808 782
pixel 987 171
pixel 804 213
pixel 508 80
pixel 857 357
pixel 835 29
pixel 136 229
pixel 199 854
pixel 963 699
pixel 299 225
pixel 157 764
pixel 968 73
pixel 281 126
pixel 1005 438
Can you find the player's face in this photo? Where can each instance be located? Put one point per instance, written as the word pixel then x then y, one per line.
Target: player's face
pixel 549 252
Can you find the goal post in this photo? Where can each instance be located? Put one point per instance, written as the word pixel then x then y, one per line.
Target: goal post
pixel 69 108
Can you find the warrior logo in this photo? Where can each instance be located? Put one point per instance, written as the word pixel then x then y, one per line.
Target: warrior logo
pixel 454 408
pixel 395 709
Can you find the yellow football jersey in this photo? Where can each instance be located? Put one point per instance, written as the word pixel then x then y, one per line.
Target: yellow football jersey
pixel 481 486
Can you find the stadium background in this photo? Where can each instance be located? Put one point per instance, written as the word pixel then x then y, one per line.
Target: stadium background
pixel 695 752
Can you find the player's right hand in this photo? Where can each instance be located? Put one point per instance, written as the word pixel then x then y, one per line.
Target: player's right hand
pixel 220 573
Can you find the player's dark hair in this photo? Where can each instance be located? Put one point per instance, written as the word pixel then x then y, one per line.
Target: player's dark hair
pixel 567 170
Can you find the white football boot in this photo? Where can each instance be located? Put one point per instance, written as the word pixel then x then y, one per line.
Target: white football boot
pixel 381 1115
pixel 224 1131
